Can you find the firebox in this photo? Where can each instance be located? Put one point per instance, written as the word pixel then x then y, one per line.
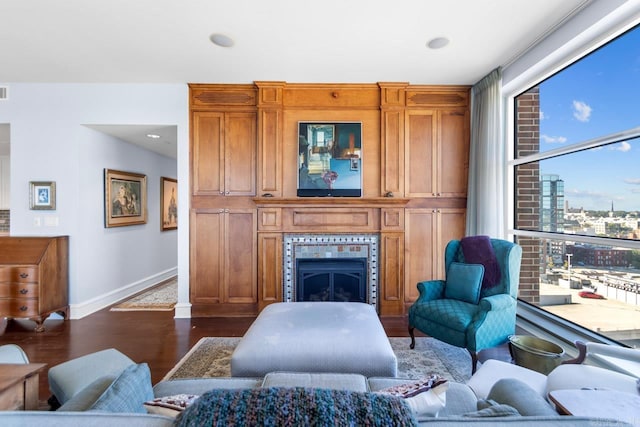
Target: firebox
pixel 343 280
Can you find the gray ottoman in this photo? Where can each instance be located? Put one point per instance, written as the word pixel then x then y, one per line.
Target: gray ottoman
pixel 336 337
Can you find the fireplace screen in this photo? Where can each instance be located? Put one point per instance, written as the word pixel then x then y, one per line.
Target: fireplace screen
pixel 342 280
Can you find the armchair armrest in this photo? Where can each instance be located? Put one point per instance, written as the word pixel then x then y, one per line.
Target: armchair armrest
pixel 496 302
pixel 430 290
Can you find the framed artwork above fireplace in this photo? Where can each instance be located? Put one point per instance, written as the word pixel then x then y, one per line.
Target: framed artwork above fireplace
pixel 329 159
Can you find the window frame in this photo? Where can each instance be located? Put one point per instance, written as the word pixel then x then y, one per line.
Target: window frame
pixel 532 318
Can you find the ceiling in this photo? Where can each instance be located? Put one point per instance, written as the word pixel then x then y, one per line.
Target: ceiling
pixel 354 41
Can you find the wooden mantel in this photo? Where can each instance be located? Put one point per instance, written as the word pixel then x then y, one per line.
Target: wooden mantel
pixel 379 202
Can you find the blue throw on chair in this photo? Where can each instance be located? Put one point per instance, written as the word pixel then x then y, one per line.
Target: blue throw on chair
pixel 475 307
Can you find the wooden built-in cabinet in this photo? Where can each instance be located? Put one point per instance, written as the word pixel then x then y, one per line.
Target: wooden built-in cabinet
pixel 244 178
pixel 34 278
pixel 223 262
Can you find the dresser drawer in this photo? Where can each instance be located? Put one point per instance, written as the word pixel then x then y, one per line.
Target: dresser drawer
pixel 19 274
pixel 18 290
pixel 16 307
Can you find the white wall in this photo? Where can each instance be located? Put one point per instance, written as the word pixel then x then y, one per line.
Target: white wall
pixel 50 143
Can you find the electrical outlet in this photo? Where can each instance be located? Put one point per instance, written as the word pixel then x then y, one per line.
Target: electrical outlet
pixel 37 221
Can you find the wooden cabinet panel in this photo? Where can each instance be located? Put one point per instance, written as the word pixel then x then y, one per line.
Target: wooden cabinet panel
pixel 427 233
pixel 420 153
pixel 419 249
pixel 269 269
pixel 240 256
pixel 437 153
pixel 207 153
pixel 34 278
pixel 392 152
pixel 391 295
pixel 270 152
pixel 240 154
pixel 207 230
pixel 224 154
pixel 392 219
pixel 223 257
pixel 453 165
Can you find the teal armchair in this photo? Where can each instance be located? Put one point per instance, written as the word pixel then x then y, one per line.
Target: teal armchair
pixel 467 324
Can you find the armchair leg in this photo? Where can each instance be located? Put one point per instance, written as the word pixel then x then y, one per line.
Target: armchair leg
pixel 474 361
pixel 413 338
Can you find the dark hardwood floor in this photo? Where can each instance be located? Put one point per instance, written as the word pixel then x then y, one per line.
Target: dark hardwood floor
pixel 154 337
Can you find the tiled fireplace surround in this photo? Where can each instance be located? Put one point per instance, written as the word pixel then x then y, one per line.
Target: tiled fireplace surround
pixel 333 246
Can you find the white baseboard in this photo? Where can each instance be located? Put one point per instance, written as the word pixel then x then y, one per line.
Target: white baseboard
pixel 182 310
pixel 78 311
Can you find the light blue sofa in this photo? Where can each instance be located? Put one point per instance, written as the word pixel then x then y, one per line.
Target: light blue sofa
pixel 460 400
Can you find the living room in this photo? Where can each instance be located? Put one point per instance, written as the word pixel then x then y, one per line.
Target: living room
pixel 107 265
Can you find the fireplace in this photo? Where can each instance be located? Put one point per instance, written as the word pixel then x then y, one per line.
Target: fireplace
pixel 330 267
pixel 341 279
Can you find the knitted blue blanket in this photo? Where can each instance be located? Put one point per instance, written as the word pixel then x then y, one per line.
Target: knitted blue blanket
pixel 295 407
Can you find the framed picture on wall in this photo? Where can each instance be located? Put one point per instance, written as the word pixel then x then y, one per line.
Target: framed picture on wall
pixel 125 198
pixel 42 195
pixel 168 204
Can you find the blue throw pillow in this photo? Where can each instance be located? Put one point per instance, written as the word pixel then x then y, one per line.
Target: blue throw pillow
pixel 128 392
pixel 464 282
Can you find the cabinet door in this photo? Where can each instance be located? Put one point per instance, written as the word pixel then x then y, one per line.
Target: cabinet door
pixel 240 154
pixel 207 231
pixel 427 233
pixel 450 226
pixel 453 153
pixel 240 252
pixel 207 153
pixel 420 153
pixel 420 250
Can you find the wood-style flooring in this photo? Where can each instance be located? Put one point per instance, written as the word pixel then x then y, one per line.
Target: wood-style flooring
pixel 154 337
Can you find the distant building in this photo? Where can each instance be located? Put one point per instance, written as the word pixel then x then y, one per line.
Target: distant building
pixel 552 214
pixel 599 256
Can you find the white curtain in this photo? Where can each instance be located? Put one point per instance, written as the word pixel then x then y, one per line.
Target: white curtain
pixel 485 199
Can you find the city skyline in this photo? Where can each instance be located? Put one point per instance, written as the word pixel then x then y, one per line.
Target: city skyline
pixel 592 98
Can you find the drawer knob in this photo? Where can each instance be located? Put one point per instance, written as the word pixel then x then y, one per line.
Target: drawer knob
pixel 24 275
pixel 24 308
pixel 24 291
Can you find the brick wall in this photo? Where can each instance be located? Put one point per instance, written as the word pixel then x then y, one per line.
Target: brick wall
pixel 4 220
pixel 527 188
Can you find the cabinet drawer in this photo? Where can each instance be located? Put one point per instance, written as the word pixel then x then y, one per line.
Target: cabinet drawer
pixel 19 274
pixel 18 290
pixel 16 307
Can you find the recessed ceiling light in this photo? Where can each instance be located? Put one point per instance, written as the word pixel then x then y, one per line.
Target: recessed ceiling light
pixel 221 40
pixel 438 43
pixel 153 136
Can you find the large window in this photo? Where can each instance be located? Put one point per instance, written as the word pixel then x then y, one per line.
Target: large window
pixel 577 191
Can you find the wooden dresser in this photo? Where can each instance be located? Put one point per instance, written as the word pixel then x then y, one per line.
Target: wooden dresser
pixel 34 277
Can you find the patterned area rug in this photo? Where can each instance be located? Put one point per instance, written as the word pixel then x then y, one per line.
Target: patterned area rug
pixel 211 357
pixel 161 298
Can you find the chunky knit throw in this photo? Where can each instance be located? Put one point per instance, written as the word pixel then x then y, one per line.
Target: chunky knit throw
pixel 297 406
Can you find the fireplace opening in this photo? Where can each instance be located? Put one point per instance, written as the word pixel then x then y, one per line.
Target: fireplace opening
pixel 343 280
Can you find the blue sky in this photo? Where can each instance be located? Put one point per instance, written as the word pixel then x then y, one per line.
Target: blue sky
pixel 596 96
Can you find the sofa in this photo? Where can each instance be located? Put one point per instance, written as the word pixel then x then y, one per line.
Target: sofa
pixel 109 401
